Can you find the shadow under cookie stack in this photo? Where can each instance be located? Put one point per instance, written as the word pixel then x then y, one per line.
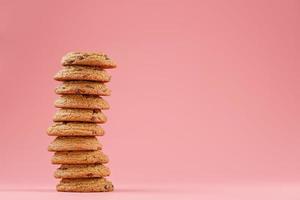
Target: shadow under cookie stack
pixel 80 105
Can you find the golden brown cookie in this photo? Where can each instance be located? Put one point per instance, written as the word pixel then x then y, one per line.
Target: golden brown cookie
pixel 81 101
pixel 74 129
pixel 79 157
pixel 89 59
pixel 82 171
pixel 85 185
pixel 79 115
pixel 75 143
pixel 83 87
pixel 82 73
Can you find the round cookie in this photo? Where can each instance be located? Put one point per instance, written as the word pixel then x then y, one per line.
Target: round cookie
pixel 79 157
pixel 82 171
pixel 82 73
pixel 85 185
pixel 79 115
pixel 89 58
pixel 76 143
pixel 81 101
pixel 74 129
pixel 83 87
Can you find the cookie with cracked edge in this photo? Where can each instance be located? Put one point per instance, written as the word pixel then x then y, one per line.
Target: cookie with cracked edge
pixel 79 157
pixel 82 171
pixel 83 87
pixel 74 129
pixel 82 73
pixel 79 115
pixel 75 143
pixel 81 101
pixel 98 59
pixel 85 185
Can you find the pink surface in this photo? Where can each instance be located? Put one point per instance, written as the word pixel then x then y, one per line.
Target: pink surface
pixel 205 91
pixel 273 191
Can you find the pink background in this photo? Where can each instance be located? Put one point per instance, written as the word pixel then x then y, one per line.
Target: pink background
pixel 205 91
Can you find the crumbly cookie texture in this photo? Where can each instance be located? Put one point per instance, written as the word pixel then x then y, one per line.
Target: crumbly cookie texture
pixel 82 171
pixel 81 101
pixel 82 73
pixel 85 185
pixel 83 87
pixel 77 143
pixel 74 129
pixel 88 58
pixel 79 115
pixel 79 157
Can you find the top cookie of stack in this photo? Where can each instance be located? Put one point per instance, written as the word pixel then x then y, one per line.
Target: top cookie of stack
pixel 90 59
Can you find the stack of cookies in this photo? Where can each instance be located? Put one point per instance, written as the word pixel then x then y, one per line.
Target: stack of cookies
pixel 80 105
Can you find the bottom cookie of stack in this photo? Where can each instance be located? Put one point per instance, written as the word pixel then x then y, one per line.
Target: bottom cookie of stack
pixel 85 185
